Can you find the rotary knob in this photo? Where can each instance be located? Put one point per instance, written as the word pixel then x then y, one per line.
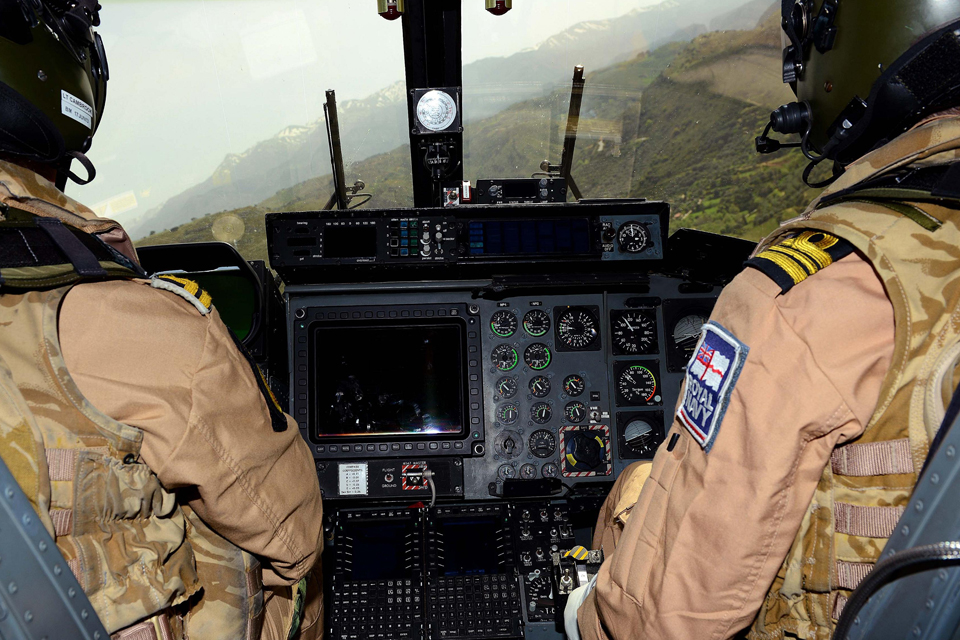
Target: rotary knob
pixel 587 450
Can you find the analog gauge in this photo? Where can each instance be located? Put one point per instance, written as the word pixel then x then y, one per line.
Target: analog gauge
pixel 549 470
pixel 536 323
pixel 541 413
pixel 528 472
pixel 636 384
pixel 540 386
pixel 634 332
pixel 507 387
pixel 508 413
pixel 505 357
pixel 686 333
pixel 575 411
pixel 436 110
pixel 633 237
pixel 640 435
pixel 577 329
pixel 506 472
pixel 504 323
pixel 573 385
pixel 543 443
pixel 537 356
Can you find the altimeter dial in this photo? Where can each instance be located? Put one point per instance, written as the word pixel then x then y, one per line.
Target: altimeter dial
pixel 634 332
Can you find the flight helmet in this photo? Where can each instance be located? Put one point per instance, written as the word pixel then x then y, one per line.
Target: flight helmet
pixel 53 80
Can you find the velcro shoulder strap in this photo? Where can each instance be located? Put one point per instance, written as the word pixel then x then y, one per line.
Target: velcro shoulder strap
pixel 37 253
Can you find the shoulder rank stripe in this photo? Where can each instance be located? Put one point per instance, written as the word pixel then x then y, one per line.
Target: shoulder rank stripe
pixel 186 289
pixel 792 260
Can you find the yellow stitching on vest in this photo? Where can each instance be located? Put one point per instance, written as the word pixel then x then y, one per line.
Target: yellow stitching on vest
pixel 804 260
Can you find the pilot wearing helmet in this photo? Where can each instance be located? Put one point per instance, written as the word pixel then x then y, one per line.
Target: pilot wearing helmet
pixel 820 381
pixel 179 494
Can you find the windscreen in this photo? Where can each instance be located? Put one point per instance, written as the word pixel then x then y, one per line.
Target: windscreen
pixel 391 380
pixel 215 113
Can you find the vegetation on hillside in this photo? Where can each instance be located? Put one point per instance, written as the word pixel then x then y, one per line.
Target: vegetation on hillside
pixel 657 126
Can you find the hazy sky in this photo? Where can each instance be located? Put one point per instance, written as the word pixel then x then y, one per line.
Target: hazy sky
pixel 194 80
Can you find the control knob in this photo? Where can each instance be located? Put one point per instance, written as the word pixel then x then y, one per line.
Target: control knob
pixel 587 450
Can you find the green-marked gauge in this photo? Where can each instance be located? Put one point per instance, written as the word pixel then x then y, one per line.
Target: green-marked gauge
pixel 575 411
pixel 536 323
pixel 508 413
pixel 573 385
pixel 542 444
pixel 537 356
pixel 539 386
pixel 507 387
pixel 636 384
pixel 504 323
pixel 541 413
pixel 505 357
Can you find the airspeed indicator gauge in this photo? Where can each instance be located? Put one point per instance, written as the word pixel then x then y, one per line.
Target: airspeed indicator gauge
pixel 633 237
pixel 536 323
pixel 504 323
pixel 634 332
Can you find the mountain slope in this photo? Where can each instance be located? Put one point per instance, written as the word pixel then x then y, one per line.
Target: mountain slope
pixel 663 125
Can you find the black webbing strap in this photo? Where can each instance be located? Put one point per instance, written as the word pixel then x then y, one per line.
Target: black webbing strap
pixel 84 262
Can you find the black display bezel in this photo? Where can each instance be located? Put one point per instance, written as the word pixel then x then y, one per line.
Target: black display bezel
pixel 351 446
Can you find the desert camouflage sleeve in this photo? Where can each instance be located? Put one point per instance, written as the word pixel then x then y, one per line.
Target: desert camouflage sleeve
pixel 710 529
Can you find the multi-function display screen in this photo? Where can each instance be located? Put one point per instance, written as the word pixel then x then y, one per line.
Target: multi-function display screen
pixel 567 236
pixel 469 546
pixel 378 550
pixel 349 242
pixel 403 379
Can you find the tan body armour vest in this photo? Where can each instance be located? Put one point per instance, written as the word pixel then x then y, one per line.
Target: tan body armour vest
pixel 864 489
pixel 150 567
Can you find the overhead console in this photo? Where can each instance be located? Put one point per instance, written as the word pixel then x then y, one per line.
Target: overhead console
pixel 471 381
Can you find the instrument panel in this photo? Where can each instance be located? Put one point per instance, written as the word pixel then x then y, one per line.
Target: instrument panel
pixel 569 386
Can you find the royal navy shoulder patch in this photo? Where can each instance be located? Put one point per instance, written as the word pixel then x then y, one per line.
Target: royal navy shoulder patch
pixel 186 289
pixel 711 376
pixel 795 258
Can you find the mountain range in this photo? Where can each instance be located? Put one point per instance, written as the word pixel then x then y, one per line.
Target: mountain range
pixel 378 123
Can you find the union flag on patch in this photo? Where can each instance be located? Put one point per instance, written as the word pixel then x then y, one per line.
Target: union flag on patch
pixel 711 375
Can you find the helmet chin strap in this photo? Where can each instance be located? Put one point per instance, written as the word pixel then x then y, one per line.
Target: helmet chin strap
pixel 65 171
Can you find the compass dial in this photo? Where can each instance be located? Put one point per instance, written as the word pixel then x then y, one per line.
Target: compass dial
pixel 634 332
pixel 633 237
pixel 577 329
pixel 537 356
pixel 536 323
pixel 575 411
pixel 505 357
pixel 504 323
pixel 507 387
pixel 539 386
pixel 508 413
pixel 573 385
pixel 637 385
pixel 542 443
pixel 541 413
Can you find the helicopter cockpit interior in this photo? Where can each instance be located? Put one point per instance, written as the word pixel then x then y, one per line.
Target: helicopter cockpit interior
pixel 476 290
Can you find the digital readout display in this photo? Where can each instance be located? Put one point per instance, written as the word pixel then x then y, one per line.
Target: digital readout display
pixel 388 380
pixel 568 236
pixel 349 242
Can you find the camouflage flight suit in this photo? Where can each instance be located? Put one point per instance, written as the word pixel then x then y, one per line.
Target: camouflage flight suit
pixel 854 340
pixel 151 457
